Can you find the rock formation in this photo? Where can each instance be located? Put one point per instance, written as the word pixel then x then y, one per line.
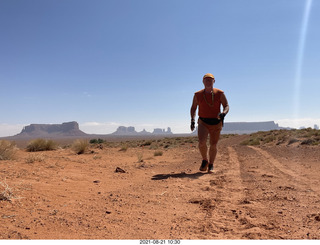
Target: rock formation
pixel 68 129
pixel 249 127
pixel 131 131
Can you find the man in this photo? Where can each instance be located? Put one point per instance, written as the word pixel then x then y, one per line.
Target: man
pixel 210 122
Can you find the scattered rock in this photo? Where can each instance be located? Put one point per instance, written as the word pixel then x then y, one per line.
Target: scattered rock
pixel 286 188
pixel 205 203
pixel 245 201
pixel 96 181
pixel 267 175
pixel 119 170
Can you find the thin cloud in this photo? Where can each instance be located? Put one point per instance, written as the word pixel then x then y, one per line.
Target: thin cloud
pixel 10 129
pixel 298 123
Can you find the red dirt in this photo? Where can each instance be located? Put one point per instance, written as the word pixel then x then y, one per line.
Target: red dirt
pixel 254 193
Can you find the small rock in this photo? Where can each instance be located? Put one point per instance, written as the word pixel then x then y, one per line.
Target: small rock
pixel 119 170
pixel 108 212
pixel 96 181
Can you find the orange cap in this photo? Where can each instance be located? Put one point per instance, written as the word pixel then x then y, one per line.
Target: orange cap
pixel 208 75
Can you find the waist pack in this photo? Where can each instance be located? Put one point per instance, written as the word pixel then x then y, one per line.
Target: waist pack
pixel 210 121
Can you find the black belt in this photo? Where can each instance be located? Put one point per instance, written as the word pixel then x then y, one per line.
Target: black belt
pixel 210 121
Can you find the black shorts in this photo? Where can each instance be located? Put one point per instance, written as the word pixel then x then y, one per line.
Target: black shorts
pixel 210 121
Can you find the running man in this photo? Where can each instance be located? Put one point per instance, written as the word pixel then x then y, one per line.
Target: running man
pixel 210 122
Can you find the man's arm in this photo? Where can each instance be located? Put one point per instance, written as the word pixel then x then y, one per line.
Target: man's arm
pixel 224 103
pixel 194 107
pixel 193 112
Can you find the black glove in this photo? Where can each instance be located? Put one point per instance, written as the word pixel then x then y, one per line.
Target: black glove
pixel 192 126
pixel 221 116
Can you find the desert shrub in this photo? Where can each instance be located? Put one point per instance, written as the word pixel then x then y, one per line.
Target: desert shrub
pixel 268 138
pixel 282 138
pixel 140 156
pixel 292 140
pixel 80 146
pixel 97 141
pixel 93 141
pixel 6 193
pixel 41 145
pixel 252 141
pixel 147 143
pixel 309 142
pixel 35 158
pixel 158 153
pixel 194 139
pixel 124 148
pixel 7 150
pixel 154 146
pixel 306 136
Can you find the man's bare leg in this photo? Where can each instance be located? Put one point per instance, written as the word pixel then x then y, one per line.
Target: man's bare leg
pixel 203 136
pixel 214 138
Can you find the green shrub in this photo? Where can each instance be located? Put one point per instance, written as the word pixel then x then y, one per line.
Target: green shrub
pixel 7 150
pixel 252 141
pixel 97 141
pixel 147 143
pixel 292 140
pixel 309 142
pixel 269 139
pixel 41 145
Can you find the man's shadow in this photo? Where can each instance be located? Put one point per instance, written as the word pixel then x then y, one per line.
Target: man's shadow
pixel 178 175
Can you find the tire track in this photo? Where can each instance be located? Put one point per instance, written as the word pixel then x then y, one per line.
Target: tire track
pixel 283 169
pixel 222 203
pixel 235 174
pixel 275 163
pixel 254 195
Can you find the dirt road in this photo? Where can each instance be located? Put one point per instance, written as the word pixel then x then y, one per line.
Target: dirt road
pixel 254 193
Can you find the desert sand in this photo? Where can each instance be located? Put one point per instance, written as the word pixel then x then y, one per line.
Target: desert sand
pixel 256 192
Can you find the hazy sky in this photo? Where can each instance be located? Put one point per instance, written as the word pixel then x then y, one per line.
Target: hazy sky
pixel 105 63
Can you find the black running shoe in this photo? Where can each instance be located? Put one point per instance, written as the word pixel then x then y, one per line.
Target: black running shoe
pixel 204 165
pixel 210 169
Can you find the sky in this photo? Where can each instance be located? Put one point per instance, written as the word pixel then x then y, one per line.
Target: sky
pixel 106 63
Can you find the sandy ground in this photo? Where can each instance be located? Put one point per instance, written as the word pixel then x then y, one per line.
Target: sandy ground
pixel 270 192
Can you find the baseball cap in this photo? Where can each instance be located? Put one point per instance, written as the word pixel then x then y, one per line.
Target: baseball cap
pixel 208 75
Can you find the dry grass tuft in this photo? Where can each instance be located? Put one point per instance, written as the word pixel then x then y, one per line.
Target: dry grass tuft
pixel 158 153
pixel 6 193
pixel 124 148
pixel 7 150
pixel 140 156
pixel 41 145
pixel 35 158
pixel 80 146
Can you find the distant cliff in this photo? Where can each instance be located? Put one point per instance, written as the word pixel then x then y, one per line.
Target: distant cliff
pixel 249 127
pixel 68 129
pixel 131 131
